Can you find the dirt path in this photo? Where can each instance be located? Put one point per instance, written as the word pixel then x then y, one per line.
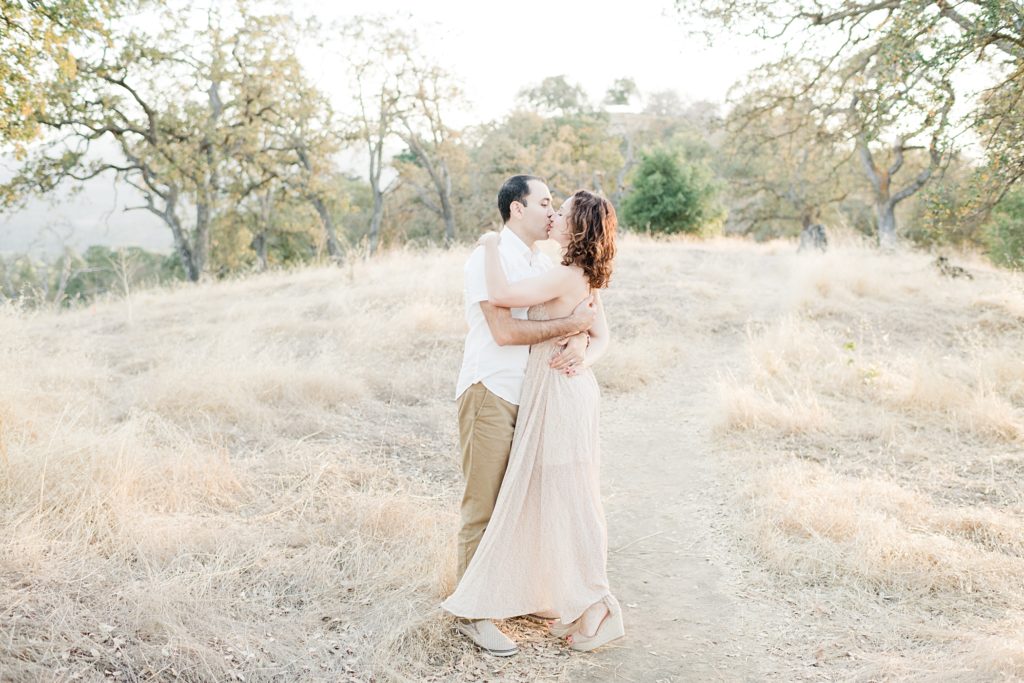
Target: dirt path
pixel 693 599
pixel 665 566
pixel 688 617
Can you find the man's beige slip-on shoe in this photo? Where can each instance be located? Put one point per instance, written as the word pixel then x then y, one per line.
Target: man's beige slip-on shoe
pixel 487 637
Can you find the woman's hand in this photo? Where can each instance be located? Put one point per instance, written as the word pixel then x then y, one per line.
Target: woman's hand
pixel 488 238
pixel 572 359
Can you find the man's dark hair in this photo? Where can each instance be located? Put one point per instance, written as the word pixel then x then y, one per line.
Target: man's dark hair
pixel 515 189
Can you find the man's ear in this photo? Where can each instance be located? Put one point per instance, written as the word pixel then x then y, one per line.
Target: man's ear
pixel 516 209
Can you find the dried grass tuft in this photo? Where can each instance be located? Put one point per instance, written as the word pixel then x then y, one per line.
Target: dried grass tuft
pixel 899 517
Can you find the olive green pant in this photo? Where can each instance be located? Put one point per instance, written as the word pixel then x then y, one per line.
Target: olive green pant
pixel 487 423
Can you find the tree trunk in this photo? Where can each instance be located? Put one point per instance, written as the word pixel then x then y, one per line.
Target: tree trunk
pixel 449 221
pixel 188 262
pixel 629 161
pixel 443 185
pixel 375 220
pixel 259 246
pixel 207 194
pixel 881 182
pixel 446 207
pixel 181 245
pixel 259 240
pixel 169 216
pixel 810 215
pixel 201 236
pixel 333 245
pixel 885 214
pixel 442 181
pixel 185 255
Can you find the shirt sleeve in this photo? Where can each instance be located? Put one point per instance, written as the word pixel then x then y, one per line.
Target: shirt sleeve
pixel 476 277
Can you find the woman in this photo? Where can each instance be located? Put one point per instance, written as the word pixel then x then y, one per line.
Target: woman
pixel 545 548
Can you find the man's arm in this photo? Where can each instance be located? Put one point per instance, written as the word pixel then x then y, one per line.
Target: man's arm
pixel 526 292
pixel 509 331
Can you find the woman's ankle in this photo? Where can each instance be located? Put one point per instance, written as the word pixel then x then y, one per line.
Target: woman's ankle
pixel 592 618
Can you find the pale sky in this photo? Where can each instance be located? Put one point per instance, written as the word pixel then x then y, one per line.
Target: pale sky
pixel 496 50
pixel 493 50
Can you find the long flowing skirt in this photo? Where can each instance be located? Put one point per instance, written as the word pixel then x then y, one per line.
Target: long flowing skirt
pixel 546 546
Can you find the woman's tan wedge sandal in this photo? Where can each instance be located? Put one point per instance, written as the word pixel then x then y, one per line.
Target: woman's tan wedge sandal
pixel 610 628
pixel 560 630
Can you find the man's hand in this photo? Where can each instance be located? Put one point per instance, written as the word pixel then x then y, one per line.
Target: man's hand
pixel 584 314
pixel 572 357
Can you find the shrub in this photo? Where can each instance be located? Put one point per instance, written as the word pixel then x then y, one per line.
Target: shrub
pixel 1004 235
pixel 671 196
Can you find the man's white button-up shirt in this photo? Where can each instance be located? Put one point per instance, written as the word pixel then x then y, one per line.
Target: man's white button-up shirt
pixel 500 368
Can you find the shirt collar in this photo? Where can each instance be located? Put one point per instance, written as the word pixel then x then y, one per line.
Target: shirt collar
pixel 518 246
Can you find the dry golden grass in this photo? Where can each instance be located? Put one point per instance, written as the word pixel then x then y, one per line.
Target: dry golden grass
pixel 257 480
pixel 254 479
pixel 249 480
pixel 880 419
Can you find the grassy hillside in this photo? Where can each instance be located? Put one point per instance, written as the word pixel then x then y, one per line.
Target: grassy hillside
pixel 880 416
pixel 257 479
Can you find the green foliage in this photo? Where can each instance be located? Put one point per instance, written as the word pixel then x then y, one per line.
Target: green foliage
pixel 951 210
pixel 209 115
pixel 569 152
pixel 785 169
pixel 206 140
pixel 73 278
pixel 555 95
pixel 855 213
pixel 623 91
pixel 1004 235
pixel 38 45
pixel 958 211
pixel 670 196
pixel 886 76
pixel 1002 128
pixel 101 270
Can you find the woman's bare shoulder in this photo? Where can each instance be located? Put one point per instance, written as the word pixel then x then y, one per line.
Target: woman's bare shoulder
pixel 571 270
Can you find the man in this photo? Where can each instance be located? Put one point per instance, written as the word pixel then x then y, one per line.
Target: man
pixel 493 367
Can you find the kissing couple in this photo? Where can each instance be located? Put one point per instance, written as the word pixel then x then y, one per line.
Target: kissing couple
pixel 533 540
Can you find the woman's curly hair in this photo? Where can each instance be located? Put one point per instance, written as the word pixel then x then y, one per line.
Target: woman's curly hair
pixel 591 222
